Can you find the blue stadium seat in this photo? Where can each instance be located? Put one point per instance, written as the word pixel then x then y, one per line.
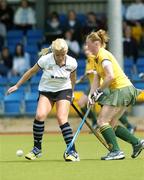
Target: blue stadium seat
pixel 81 63
pixel 32 49
pixel 140 64
pixel 14 34
pixel 63 19
pixel 34 87
pixel 35 80
pixel 13 104
pixel 3 84
pixel 2 89
pixel 140 61
pixel 80 71
pixel 128 71
pixel 81 18
pixel 34 36
pixel 81 67
pixel 35 33
pixel 14 37
pixel 12 48
pixel 140 69
pixel 14 42
pixel 1 103
pixel 13 80
pixel 135 77
pixel 139 85
pixel 82 86
pixel 31 103
pixel 3 80
pixel 33 58
pixel 128 62
pixel 45 46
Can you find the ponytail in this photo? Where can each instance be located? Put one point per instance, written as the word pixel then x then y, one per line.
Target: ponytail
pixel 99 35
pixel 45 51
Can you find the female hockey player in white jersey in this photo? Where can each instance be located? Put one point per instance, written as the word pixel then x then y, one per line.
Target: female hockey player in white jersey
pixel 55 87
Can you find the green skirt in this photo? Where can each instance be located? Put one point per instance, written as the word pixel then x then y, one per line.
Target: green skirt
pixel 119 97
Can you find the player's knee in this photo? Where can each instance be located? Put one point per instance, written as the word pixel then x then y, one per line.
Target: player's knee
pixel 61 119
pixel 80 104
pixel 40 116
pixel 101 122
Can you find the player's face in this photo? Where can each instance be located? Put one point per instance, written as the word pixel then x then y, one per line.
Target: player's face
pixel 93 47
pixel 60 56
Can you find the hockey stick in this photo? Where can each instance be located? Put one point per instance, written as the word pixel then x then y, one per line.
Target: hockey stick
pixel 95 132
pixel 78 130
pixel 81 79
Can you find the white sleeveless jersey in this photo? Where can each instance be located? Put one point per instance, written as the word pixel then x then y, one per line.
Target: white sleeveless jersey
pixel 54 77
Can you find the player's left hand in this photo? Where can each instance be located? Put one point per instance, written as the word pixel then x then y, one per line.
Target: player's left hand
pixel 92 98
pixel 96 95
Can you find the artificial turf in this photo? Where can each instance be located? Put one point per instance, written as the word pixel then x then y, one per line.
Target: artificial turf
pixel 51 165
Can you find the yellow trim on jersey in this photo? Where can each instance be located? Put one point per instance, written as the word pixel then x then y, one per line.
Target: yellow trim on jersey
pixel 120 79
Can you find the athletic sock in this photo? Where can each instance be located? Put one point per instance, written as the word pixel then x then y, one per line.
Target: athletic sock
pixel 125 135
pixel 92 115
pixel 67 134
pixel 124 120
pixel 38 130
pixel 110 137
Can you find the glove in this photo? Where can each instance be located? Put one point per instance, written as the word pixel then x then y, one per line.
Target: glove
pixel 92 98
pixel 96 95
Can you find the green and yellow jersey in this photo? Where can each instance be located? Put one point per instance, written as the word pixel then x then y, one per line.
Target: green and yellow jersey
pixel 120 79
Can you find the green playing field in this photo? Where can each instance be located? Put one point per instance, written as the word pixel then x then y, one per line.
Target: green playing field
pixel 51 165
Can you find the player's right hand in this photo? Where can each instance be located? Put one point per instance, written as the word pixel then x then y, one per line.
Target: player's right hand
pixel 11 89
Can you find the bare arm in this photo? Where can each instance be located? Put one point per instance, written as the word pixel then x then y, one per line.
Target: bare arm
pixel 73 79
pixel 27 75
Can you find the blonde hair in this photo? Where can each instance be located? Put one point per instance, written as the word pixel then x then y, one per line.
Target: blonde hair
pixel 44 51
pixel 59 45
pixel 100 36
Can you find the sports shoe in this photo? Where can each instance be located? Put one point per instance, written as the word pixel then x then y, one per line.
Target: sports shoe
pixel 115 155
pixel 132 129
pixel 137 148
pixel 35 153
pixel 71 156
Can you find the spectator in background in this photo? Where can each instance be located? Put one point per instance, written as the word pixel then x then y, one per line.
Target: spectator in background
pixel 24 17
pixel 3 69
pixel 3 34
pixel 21 61
pixel 7 58
pixel 73 45
pixel 6 14
pixel 135 13
pixel 92 24
pixel 135 18
pixel 74 25
pixel 53 27
pixel 130 44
